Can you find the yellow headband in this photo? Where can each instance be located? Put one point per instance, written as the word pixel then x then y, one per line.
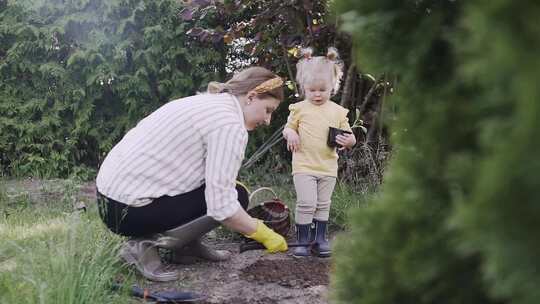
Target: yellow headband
pixel 269 85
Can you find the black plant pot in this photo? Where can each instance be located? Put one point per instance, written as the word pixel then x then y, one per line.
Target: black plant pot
pixel 332 133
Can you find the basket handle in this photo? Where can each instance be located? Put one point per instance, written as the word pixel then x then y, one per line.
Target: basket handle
pixel 259 190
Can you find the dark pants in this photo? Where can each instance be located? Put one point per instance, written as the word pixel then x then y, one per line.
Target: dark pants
pixel 164 213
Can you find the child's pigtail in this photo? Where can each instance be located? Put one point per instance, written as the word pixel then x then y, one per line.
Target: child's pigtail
pixel 306 53
pixel 301 68
pixel 333 56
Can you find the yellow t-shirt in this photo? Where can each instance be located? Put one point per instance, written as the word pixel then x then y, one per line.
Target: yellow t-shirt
pixel 312 123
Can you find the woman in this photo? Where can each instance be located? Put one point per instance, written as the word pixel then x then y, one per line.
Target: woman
pixel 172 178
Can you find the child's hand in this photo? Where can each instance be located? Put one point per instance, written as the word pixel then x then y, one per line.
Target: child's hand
pixel 346 141
pixel 293 140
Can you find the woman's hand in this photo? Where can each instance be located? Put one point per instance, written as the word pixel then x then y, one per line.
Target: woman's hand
pixel 255 229
pixel 346 140
pixel 293 140
pixel 273 241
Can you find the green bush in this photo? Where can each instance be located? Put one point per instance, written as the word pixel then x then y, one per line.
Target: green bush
pixel 75 75
pixel 454 222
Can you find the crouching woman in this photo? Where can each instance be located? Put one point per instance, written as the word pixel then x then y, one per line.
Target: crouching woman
pixel 171 178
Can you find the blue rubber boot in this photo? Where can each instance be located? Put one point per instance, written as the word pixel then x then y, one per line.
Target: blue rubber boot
pixel 320 246
pixel 302 237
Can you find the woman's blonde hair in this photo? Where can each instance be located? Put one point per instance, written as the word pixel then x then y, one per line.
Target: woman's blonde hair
pixel 327 68
pixel 245 81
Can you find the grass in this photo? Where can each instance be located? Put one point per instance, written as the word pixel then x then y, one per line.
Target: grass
pixel 52 254
pixel 344 196
pixel 344 199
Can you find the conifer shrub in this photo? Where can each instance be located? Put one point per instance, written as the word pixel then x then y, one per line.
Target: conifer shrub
pixel 75 75
pixel 455 219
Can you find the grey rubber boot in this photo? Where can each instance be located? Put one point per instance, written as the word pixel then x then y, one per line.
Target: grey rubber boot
pixel 185 242
pixel 302 237
pixel 143 254
pixel 196 251
pixel 321 246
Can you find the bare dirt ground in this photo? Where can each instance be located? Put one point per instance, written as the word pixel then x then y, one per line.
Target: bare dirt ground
pixel 253 277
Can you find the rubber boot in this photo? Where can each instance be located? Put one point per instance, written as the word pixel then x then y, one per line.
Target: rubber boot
pixel 321 246
pixel 196 251
pixel 143 254
pixel 302 237
pixel 185 242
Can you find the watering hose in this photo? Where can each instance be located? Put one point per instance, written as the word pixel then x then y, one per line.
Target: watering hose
pixel 274 139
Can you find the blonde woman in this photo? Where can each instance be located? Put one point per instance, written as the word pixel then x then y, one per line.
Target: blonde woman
pixel 172 178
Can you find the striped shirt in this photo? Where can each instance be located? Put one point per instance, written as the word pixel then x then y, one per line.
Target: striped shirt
pixel 181 146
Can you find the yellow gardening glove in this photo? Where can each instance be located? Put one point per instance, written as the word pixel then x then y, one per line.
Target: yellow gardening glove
pixel 272 241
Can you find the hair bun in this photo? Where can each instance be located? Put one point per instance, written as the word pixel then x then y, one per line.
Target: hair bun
pixel 215 87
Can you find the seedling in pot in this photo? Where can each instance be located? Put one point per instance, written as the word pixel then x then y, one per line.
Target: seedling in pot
pixel 333 132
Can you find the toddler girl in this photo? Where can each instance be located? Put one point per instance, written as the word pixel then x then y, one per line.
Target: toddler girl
pixel 314 163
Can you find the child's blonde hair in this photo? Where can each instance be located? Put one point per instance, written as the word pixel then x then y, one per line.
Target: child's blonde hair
pixel 245 81
pixel 327 68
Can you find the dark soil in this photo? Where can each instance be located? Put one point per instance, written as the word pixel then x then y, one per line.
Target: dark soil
pixel 253 277
pixel 296 273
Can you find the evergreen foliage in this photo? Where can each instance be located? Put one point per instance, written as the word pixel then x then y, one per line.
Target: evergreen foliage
pixel 75 75
pixel 456 217
pixel 270 34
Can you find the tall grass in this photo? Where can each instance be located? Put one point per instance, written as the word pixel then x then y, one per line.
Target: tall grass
pixel 50 254
pixel 346 196
pixel 345 199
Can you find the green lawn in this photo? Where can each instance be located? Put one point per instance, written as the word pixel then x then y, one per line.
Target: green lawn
pixel 50 253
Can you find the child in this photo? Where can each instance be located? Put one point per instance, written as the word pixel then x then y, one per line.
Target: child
pixel 314 163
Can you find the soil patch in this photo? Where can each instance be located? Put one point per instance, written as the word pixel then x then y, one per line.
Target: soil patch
pixel 254 277
pixel 295 273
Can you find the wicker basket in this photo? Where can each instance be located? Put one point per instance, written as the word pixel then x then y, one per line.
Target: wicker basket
pixel 274 213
